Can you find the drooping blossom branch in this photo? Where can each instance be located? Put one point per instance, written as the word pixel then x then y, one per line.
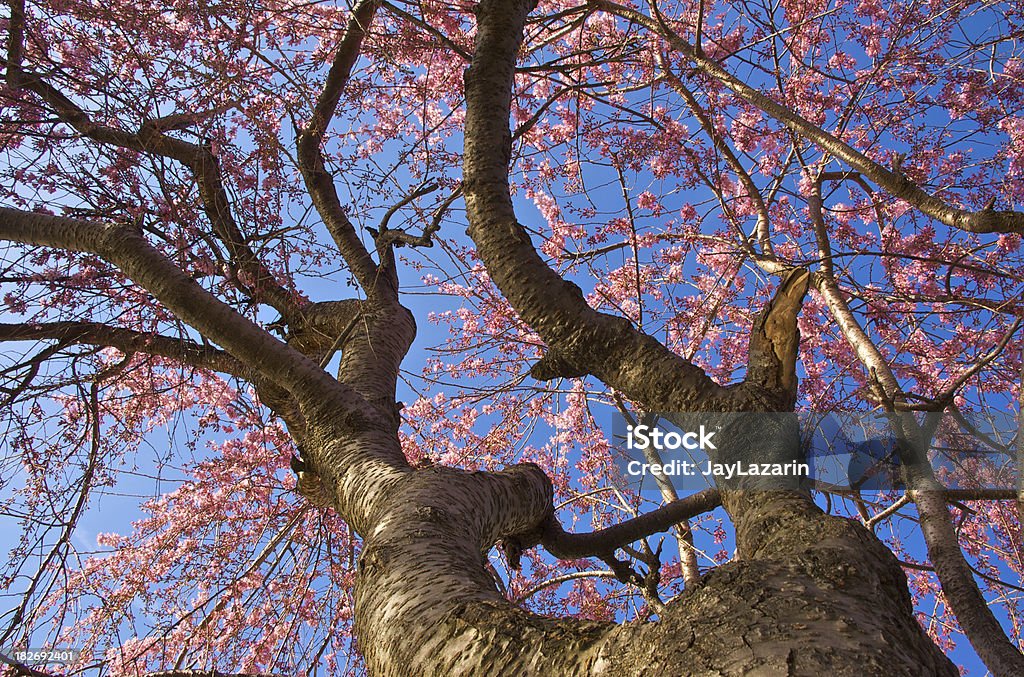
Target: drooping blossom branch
pixel 892 180
pixel 152 138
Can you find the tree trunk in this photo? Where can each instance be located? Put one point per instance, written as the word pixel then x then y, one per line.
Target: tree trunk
pixel 809 594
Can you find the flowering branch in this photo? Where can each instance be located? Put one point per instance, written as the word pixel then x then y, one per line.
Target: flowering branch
pixel 986 220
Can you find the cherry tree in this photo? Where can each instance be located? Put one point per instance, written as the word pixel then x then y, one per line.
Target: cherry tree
pixel 226 221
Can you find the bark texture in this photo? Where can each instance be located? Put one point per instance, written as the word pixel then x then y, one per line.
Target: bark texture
pixel 809 594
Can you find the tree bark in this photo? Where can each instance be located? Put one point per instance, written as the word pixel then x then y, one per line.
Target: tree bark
pixel 808 593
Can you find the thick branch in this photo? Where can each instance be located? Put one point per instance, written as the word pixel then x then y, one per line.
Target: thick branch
pixel 355 450
pixel 775 340
pixel 129 251
pixel 199 159
pixel 341 68
pixel 69 112
pixel 868 353
pixel 958 585
pixel 15 40
pixel 311 162
pixel 960 589
pixel 591 342
pixel 128 341
pixel 604 542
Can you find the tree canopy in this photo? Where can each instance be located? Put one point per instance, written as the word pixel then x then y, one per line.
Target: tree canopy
pixel 237 234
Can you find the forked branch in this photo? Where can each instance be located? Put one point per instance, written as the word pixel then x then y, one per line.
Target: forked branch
pixel 958 585
pixel 591 342
pixel 127 249
pixel 199 159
